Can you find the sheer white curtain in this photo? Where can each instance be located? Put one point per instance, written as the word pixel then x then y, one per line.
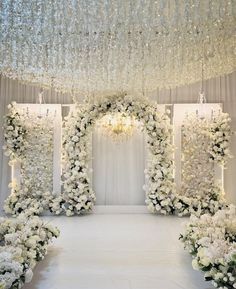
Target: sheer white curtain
pixel 118 169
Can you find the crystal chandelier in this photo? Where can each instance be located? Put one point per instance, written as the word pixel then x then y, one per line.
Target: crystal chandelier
pixel 96 47
pixel 118 126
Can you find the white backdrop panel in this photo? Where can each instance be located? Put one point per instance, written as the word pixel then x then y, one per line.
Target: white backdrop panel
pixel 180 111
pixel 55 111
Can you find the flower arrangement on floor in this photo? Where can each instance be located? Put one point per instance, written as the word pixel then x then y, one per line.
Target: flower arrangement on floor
pixel 205 144
pixel 211 240
pixel 22 200
pixel 23 243
pixel 33 150
pixel 78 196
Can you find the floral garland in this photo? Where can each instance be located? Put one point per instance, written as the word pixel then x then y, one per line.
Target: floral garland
pixel 15 133
pixel 78 196
pixel 220 139
pixel 211 240
pixel 205 143
pixel 36 160
pixel 23 242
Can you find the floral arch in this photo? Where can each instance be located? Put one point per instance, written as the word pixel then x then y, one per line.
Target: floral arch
pixel 78 196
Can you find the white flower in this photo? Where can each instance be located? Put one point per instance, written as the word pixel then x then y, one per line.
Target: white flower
pixel 28 275
pixel 195 264
pixel 75 138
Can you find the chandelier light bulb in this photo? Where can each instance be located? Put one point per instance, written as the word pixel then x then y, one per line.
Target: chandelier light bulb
pixel 118 126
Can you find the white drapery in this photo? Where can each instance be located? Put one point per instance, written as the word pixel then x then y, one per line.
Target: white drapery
pixel 118 169
pixel 221 89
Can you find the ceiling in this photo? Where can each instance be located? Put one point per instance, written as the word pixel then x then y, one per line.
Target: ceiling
pixel 93 47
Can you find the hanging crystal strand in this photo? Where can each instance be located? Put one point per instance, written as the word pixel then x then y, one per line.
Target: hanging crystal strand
pixel 178 57
pixel 16 40
pixel 87 48
pixel 12 35
pixel 27 55
pixel 60 10
pixel 64 40
pixel 56 31
pixel 93 49
pixel 202 98
pixel 106 36
pixel 93 43
pixel 126 36
pixel 4 30
pixel 148 74
pixel 142 65
pixel 129 69
pixel 45 42
pixel 116 48
pixel 30 28
pixel 76 56
pixel 71 43
pixel 162 22
pixel 48 20
pixel 101 47
pixel 113 40
pixel 90 41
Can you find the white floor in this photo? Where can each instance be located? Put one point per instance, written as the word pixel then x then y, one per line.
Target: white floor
pixel 117 251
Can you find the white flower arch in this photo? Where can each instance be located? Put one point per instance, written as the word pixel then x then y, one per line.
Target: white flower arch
pixel 78 196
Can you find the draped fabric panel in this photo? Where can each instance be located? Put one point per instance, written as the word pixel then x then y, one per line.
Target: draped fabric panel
pixel 118 169
pixel 221 89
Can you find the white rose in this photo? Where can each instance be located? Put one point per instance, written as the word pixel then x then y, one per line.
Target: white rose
pixel 75 138
pixel 28 275
pixel 195 264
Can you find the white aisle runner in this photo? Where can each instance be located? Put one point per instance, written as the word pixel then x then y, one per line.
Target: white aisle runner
pixel 117 252
pixel 118 169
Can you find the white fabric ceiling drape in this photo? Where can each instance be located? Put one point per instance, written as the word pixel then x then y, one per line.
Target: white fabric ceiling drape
pixel 221 89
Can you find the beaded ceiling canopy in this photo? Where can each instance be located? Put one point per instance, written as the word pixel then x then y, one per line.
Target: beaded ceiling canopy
pixel 96 46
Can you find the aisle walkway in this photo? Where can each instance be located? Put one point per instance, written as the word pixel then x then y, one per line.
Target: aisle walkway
pixel 137 251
